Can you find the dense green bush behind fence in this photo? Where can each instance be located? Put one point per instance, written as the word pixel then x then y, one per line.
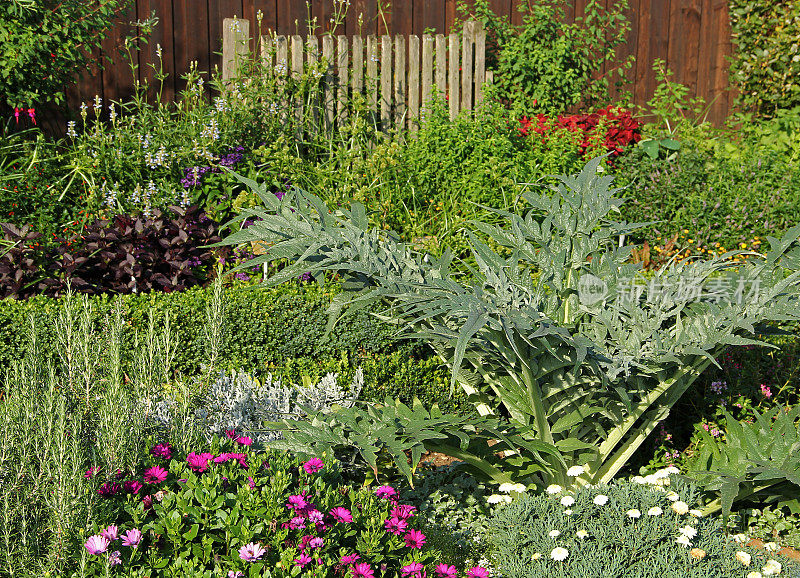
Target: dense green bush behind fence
pixel 280 330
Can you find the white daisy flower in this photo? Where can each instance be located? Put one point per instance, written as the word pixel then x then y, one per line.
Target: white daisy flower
pixel 567 501
pixel 754 575
pixel 680 507
pixel 554 533
pixel 600 500
pixel 655 511
pixel 506 487
pixel 741 538
pixel 696 513
pixel 672 496
pixel 744 558
pixel 771 568
pixel 567 512
pixel 495 499
pixel 559 553
pixel 554 489
pixel 683 541
pixel 634 513
pixel 688 531
pixel 581 534
pixel 639 480
pixel 576 471
pixel 771 547
pixel 536 556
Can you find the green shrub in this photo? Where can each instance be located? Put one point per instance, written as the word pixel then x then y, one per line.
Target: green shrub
pixel 281 331
pixel 624 529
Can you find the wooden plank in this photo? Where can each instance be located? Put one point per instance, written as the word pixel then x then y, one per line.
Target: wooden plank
pixel 281 72
pixel 721 49
pixel 441 66
pixel 402 18
pixel 658 43
pixel 386 82
pixel 643 62
pixel 480 62
pixel 428 48
pixel 292 17
pixel 628 48
pixel 413 83
pixel 267 53
pixel 453 78
pixel 330 102
pixel 362 18
pixel 343 58
pixel 190 25
pixel 269 15
pixel 449 16
pixel 432 16
pixel 117 82
pixel 705 40
pixel 467 46
pixel 684 36
pixel 161 41
pixel 297 72
pixel 357 51
pixel 235 33
pixel 400 82
pixel 372 76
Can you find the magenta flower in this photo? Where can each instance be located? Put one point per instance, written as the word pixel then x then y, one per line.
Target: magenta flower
pixel 395 526
pixel 132 538
pixel 297 523
pixel 414 539
pixel 251 482
pixel 132 486
pixel 316 542
pixel 199 462
pixel 111 532
pixel 413 570
pixel 90 473
pixel 302 560
pixel 147 502
pixel 766 390
pixel 232 574
pixel 313 465
pixel 445 571
pixel 348 559
pixel 386 492
pixel 315 516
pixel 109 489
pixel 162 450
pixel 97 544
pixel 155 475
pixel 244 440
pixel 341 515
pixel 362 570
pixel 222 458
pixel 403 511
pixel 251 552
pixel 477 572
pixel 297 502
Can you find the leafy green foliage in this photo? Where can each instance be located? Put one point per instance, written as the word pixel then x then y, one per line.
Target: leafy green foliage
pixel 621 538
pixel 586 380
pixel 547 63
pixel 47 44
pixel 766 61
pixel 755 458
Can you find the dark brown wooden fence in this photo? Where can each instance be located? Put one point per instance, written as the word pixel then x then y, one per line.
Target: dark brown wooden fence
pixel 692 36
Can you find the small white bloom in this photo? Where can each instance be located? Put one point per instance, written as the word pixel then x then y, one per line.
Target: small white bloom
pixel 672 470
pixel 639 480
pixel 600 500
pixel 743 557
pixel 536 556
pixel 495 499
pixel 576 471
pixel 688 531
pixel 696 513
pixel 672 496
pixel 506 487
pixel 651 479
pixel 554 533
pixel 741 538
pixel 680 507
pixel 559 553
pixel 771 547
pixel 634 513
pixel 771 568
pixel 554 489
pixel 581 534
pixel 683 540
pixel 567 501
pixel 519 488
pixel 754 575
pixel 655 511
pixel 567 512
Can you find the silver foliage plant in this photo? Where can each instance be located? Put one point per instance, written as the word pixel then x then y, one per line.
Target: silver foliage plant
pixel 239 402
pixel 585 380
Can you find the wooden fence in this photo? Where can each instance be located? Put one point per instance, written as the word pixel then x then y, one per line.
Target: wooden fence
pixel 398 77
pixel 692 36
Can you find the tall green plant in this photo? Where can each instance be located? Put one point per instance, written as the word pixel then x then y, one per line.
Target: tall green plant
pixel 525 334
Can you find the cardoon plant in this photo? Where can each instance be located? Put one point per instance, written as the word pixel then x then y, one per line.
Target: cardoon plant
pixel 553 327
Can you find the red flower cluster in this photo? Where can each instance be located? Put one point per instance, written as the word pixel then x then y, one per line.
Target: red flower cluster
pixel 621 129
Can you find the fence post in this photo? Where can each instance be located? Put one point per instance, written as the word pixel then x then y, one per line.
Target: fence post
pixel 330 104
pixel 413 83
pixel 468 44
pixel 297 72
pixel 453 78
pixel 235 45
pixel 386 82
pixel 480 62
pixel 399 81
pixel 372 77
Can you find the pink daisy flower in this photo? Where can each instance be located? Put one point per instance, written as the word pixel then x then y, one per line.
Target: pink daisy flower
pixel 414 539
pixel 386 492
pixel 477 572
pixel 97 544
pixel 313 465
pixel 155 475
pixel 341 515
pixel 395 526
pixel 413 570
pixel 132 538
pixel 362 570
pixel 251 552
pixel 111 532
pixel 445 571
pixel 199 462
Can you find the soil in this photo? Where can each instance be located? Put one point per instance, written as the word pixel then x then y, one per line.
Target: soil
pixel 788 552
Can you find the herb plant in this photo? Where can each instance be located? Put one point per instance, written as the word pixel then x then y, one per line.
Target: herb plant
pixel 535 331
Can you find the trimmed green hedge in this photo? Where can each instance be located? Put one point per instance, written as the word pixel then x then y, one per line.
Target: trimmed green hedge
pixel 279 330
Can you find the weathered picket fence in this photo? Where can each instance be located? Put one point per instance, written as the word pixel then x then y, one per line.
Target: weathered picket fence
pixel 397 76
